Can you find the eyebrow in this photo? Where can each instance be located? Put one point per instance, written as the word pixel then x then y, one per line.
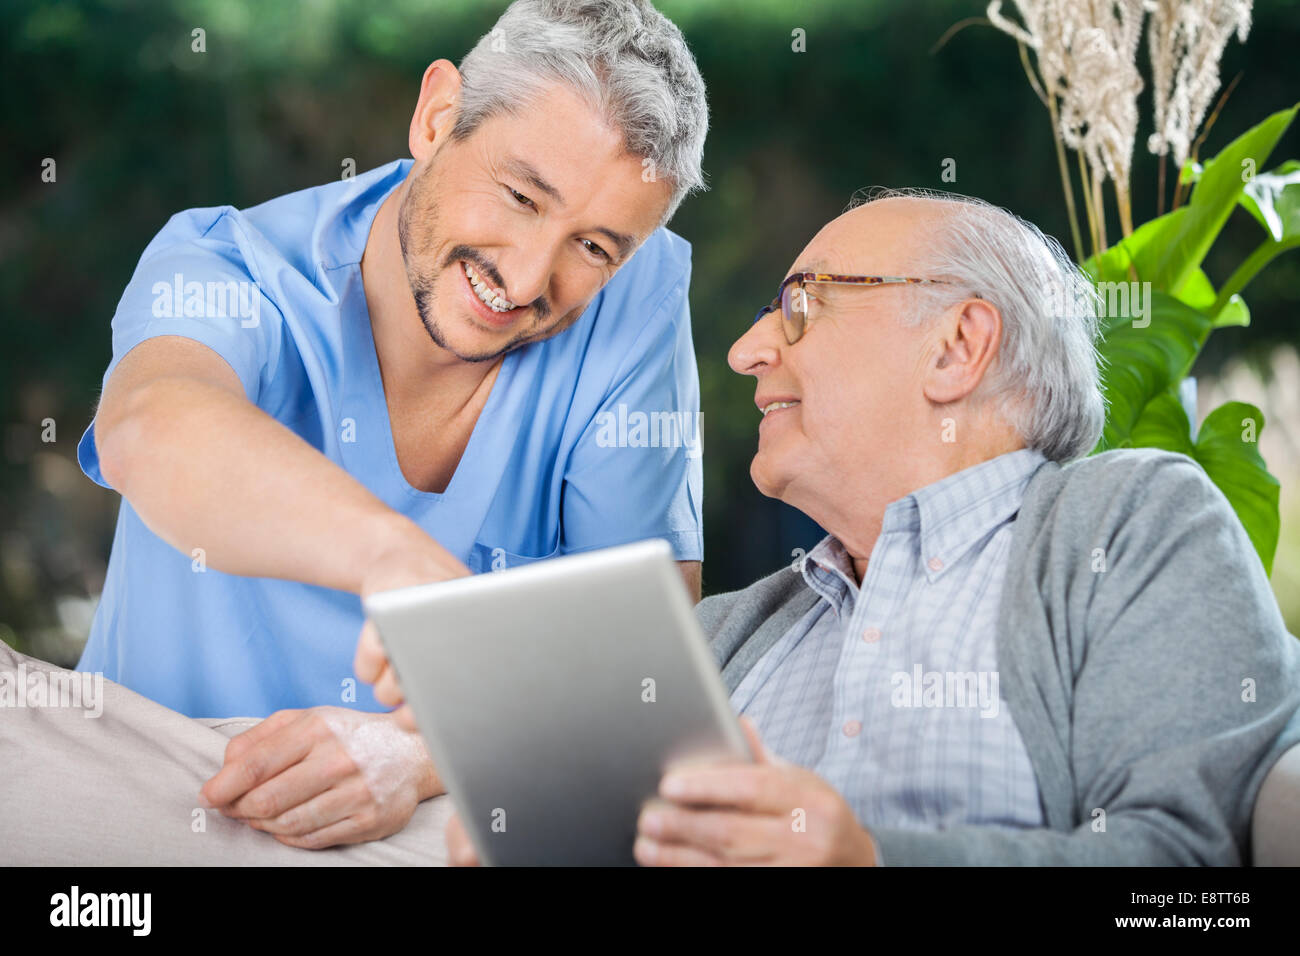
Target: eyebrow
pixel 623 241
pixel 529 174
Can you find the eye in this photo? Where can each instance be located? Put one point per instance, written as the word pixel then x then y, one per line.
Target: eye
pixel 596 250
pixel 521 198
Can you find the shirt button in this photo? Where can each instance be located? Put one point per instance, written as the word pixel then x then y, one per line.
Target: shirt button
pixel 853 728
pixel 871 635
pixel 936 564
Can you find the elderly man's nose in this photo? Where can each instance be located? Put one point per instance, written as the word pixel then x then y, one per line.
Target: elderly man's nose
pixel 758 348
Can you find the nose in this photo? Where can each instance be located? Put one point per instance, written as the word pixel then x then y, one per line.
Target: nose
pixel 759 349
pixel 528 272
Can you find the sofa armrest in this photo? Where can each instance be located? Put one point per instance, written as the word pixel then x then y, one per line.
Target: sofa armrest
pixel 1275 824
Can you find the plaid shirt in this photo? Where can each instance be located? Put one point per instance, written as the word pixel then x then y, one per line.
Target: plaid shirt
pixel 890 692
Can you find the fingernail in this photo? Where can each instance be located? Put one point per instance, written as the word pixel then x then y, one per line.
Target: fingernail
pixel 653 823
pixel 673 785
pixel 646 851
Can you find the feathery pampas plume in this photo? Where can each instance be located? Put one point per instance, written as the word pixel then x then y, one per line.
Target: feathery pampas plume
pixel 1186 40
pixel 1086 54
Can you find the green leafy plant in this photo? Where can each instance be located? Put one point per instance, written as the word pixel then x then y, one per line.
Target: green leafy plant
pixel 1148 358
pixel 1159 306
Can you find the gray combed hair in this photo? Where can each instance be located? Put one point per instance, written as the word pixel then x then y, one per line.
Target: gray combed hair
pixel 1046 378
pixel 624 57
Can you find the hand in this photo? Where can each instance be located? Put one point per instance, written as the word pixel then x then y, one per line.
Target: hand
pixel 322 777
pixel 699 837
pixel 460 851
pixel 398 568
pixel 770 813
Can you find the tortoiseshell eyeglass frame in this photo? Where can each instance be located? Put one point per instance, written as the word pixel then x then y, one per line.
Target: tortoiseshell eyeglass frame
pixel 794 327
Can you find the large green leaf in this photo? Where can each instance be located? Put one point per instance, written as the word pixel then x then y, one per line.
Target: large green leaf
pixel 1138 363
pixel 1198 292
pixel 1143 366
pixel 1273 198
pixel 1117 264
pixel 1227 447
pixel 1164 424
pixel 1168 256
pixel 1234 312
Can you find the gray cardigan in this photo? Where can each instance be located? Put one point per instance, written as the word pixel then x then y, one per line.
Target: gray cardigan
pixel 1153 696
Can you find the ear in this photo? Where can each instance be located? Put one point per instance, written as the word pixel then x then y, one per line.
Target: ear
pixel 435 113
pixel 965 344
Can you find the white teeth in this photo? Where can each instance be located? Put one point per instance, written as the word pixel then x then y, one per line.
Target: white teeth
pixel 489 296
pixel 775 405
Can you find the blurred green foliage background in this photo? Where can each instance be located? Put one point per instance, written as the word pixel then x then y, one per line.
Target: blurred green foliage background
pixel 142 127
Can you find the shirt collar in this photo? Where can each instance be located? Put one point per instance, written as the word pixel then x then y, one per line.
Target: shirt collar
pixel 959 511
pixel 948 518
pixel 828 570
pixel 345 228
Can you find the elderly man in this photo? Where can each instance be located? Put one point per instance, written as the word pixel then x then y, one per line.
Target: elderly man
pixel 400 376
pixel 995 656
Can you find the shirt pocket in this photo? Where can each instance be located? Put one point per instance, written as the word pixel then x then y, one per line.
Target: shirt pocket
pixel 485 557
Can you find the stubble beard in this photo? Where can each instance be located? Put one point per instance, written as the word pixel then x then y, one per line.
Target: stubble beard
pixel 424 286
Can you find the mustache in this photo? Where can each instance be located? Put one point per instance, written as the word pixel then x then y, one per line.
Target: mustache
pixel 541 308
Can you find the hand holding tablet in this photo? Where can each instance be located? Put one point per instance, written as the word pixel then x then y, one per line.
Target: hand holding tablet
pixel 554 696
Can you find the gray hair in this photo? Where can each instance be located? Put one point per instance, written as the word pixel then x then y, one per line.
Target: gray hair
pixel 624 57
pixel 1046 379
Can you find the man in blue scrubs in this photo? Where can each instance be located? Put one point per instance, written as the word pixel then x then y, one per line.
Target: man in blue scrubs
pixel 417 373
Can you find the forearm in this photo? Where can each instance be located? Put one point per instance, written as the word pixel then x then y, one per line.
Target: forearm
pixel 1125 842
pixel 206 469
pixel 692 575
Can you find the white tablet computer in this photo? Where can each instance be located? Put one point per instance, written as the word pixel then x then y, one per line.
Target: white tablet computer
pixel 553 696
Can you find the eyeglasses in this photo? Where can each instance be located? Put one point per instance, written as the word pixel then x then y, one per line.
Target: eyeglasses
pixel 792 298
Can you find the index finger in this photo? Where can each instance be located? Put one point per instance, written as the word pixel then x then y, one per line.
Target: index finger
pixel 754 788
pixel 370 659
pixel 259 731
pixel 264 760
pixel 405 719
pixel 460 851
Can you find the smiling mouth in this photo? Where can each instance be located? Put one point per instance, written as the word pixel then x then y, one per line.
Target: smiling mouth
pixel 776 406
pixel 490 297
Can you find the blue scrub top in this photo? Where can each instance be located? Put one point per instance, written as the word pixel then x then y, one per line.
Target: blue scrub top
pixel 588 439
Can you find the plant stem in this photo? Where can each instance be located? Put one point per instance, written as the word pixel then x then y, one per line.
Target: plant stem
pixel 1181 195
pixel 1032 76
pixel 1214 116
pixel 1125 205
pixel 1101 211
pixel 1087 203
pixel 1160 187
pixel 956 28
pixel 1065 178
pixel 1264 253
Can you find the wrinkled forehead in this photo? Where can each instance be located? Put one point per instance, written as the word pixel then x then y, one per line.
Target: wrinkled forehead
pixel 562 146
pixel 884 237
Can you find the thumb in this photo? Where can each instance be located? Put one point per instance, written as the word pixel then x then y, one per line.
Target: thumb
pixel 405 719
pixel 756 746
pixel 370 659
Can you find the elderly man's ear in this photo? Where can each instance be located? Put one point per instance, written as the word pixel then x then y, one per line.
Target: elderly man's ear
pixel 963 344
